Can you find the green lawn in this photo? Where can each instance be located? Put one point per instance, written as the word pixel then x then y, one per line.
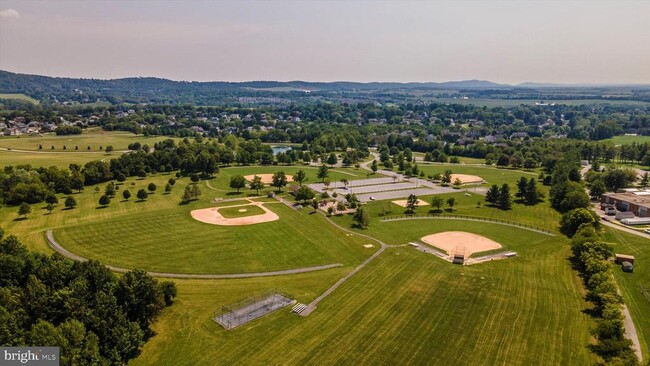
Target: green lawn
pixel 492 175
pixel 58 159
pixel 406 307
pixel 234 212
pixel 630 283
pixel 626 140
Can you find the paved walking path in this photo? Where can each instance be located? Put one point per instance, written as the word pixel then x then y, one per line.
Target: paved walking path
pixel 57 247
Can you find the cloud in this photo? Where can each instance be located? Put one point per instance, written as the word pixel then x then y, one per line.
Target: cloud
pixel 9 13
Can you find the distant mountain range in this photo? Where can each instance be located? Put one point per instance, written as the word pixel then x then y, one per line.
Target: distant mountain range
pixel 158 90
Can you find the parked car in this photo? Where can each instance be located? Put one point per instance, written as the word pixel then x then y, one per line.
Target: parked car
pixel 647 231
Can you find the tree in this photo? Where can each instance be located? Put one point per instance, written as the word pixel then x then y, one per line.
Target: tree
pixel 49 207
pixel 237 182
pixel 279 180
pixel 645 179
pixel 304 194
pixel 109 149
pixel 126 194
pixel 168 188
pixel 76 181
pixel 573 219
pixel 492 195
pixel 142 173
pixel 142 194
pixel 323 172
pixel 457 183
pixel 152 187
pixel 451 202
pixel 70 202
pixel 597 188
pixel 51 199
pixel 437 202
pixel 374 167
pixel 110 190
pixel 104 200
pixel 331 159
pixel 411 204
pixel 171 181
pixel 194 178
pixel 300 177
pixel 505 201
pixel 24 209
pixel 345 182
pixel 522 188
pixel 361 217
pixel 532 192
pixel 314 204
pixel 446 177
pixel 257 184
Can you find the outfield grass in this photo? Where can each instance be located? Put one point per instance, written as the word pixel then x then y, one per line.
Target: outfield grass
pixel 234 212
pixel 406 307
pixel 491 175
pixel 630 283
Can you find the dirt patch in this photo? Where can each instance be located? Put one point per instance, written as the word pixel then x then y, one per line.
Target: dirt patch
pixel 212 216
pixel 266 178
pixel 402 203
pixel 465 178
pixel 460 242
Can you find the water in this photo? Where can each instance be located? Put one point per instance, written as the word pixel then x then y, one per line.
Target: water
pixel 279 149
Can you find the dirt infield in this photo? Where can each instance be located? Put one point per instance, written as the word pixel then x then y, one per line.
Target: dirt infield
pixel 403 203
pixel 451 241
pixel 266 178
pixel 465 178
pixel 212 216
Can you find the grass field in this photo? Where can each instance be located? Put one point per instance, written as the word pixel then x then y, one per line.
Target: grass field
pixel 406 307
pixel 60 160
pixel 93 138
pixel 233 212
pixel 626 140
pixel 491 174
pixel 19 97
pixel 631 283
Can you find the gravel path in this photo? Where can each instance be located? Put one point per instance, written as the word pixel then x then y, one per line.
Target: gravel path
pixel 57 247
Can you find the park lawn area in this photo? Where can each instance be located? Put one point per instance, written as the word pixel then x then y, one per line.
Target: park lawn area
pixel 627 140
pixel 631 283
pixel 491 175
pixel 405 307
pixel 221 183
pixel 234 212
pixel 23 97
pixel 47 159
pixel 95 138
pixel 540 215
pixel 32 230
pixel 170 240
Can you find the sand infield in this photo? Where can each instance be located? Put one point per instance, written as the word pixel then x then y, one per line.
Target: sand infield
pixel 266 178
pixel 212 216
pixel 451 241
pixel 466 178
pixel 403 203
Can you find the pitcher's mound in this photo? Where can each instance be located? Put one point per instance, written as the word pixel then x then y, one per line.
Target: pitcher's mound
pixel 266 178
pixel 213 216
pixel 465 178
pixel 456 241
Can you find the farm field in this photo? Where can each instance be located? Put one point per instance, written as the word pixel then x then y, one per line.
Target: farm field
pixel 631 283
pixel 23 97
pixel 92 137
pixel 406 307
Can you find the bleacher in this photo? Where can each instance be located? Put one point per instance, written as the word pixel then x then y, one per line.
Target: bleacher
pixel 298 308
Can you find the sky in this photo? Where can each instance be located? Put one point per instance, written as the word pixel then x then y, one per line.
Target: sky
pixel 401 41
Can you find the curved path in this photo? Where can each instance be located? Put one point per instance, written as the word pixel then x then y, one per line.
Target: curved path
pixel 58 248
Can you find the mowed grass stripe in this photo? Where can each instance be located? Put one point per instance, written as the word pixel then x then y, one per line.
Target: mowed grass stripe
pixel 171 241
